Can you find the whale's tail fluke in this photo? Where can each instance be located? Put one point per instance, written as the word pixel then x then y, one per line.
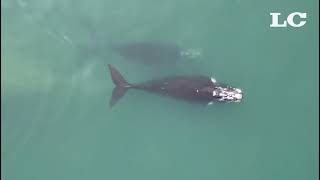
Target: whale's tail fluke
pixel 121 85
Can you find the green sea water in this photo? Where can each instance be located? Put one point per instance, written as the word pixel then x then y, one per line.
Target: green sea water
pixel 55 87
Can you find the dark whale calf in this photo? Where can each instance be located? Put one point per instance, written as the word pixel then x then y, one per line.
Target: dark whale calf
pixel 199 89
pixel 153 53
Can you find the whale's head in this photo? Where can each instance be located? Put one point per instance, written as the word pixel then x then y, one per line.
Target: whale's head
pixel 191 53
pixel 223 93
pixel 227 94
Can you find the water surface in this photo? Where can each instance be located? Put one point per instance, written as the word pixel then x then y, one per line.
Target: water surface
pixel 55 88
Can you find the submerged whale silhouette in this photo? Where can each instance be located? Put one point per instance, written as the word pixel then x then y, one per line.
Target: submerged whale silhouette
pixel 154 53
pixel 199 89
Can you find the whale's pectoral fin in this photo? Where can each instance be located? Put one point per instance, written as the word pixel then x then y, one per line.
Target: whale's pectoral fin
pixel 117 93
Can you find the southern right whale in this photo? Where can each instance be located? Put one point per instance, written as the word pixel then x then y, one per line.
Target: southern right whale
pixel 199 89
pixel 154 53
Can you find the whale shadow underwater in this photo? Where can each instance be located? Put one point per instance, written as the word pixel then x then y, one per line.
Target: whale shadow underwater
pixel 195 89
pixel 96 44
pixel 149 53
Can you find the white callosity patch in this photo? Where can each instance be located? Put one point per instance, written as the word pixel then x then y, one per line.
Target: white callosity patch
pixel 229 94
pixel 238 96
pixel 213 80
pixel 214 93
pixel 191 53
pixel 238 90
pixel 210 103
